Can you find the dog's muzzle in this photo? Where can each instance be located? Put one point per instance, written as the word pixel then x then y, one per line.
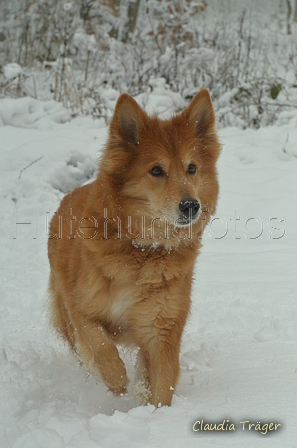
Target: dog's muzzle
pixel 189 210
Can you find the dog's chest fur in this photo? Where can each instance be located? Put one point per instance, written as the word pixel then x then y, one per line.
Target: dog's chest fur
pixel 156 293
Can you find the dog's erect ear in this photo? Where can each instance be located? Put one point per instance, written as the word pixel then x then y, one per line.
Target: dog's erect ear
pixel 126 119
pixel 200 111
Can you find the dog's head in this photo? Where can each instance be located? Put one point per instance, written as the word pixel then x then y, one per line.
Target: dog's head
pixel 163 170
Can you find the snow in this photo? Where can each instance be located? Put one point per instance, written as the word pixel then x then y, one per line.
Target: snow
pixel 161 100
pixel 12 70
pixel 238 357
pixel 30 113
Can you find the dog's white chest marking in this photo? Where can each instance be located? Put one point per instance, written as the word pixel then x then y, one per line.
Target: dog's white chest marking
pixel 121 303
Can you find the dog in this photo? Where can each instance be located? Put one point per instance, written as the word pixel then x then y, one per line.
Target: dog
pixel 122 248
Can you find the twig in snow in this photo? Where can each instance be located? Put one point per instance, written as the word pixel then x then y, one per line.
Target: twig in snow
pixel 30 164
pixel 284 147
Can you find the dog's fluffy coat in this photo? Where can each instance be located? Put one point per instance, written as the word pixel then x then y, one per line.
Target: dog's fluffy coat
pixel 121 269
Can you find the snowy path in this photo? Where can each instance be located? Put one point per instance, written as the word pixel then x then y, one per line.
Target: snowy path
pixel 239 353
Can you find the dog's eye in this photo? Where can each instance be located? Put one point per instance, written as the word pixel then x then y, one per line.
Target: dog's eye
pixel 156 171
pixel 192 168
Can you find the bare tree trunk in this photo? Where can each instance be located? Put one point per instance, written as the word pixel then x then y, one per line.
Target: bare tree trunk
pixel 289 13
pixel 295 13
pixel 130 22
pixel 132 17
pixel 115 4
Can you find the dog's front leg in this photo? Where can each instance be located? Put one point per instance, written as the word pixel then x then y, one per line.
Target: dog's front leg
pixel 95 343
pixel 163 366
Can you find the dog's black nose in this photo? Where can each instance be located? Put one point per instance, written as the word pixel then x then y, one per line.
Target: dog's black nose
pixel 189 207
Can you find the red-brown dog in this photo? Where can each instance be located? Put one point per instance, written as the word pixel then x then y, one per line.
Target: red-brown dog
pixel 122 249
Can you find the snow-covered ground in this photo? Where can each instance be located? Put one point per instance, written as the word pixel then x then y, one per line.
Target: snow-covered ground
pixel 239 351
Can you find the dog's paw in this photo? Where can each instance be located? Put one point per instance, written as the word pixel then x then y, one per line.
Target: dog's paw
pixel 115 376
pixel 120 391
